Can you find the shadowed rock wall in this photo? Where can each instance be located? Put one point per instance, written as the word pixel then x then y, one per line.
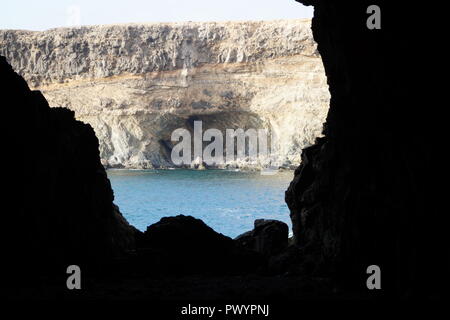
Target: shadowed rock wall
pixel 58 199
pixel 367 192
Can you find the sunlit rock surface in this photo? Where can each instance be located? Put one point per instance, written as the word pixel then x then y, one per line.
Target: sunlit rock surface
pixel 137 83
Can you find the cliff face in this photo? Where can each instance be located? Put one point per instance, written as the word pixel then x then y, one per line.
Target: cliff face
pixel 135 84
pixel 58 205
pixel 367 193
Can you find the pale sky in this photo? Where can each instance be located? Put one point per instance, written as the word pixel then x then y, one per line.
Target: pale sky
pixel 46 14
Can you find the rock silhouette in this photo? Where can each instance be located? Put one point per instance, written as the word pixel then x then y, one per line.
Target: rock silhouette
pixel 186 245
pixel 268 237
pixel 367 192
pixel 59 202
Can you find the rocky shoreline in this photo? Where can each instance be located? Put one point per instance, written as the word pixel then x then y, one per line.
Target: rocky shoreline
pixel 204 166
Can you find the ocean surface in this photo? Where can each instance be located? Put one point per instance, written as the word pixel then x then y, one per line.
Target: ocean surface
pixel 227 201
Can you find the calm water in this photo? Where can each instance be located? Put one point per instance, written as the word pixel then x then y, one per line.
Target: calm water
pixel 227 201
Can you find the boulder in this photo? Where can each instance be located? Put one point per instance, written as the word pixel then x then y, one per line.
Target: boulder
pixel 268 237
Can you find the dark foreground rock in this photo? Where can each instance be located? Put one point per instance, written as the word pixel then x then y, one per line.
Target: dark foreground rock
pixel 57 202
pixel 185 245
pixel 268 237
pixel 368 192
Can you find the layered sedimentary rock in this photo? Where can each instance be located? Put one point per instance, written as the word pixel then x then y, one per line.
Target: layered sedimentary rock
pixel 367 193
pixel 136 84
pixel 58 205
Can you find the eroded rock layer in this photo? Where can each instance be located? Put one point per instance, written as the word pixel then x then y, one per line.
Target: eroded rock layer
pixel 135 84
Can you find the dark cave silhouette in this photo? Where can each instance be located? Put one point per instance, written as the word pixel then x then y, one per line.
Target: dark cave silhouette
pixel 367 193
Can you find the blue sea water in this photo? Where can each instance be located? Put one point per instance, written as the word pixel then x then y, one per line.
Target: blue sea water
pixel 227 201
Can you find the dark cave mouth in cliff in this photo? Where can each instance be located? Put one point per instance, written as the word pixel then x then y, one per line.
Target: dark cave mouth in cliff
pixel 227 140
